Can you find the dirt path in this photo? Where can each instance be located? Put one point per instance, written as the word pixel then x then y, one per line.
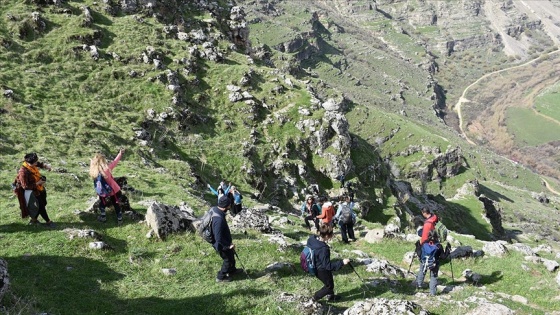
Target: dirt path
pixel 463 99
pixel 547 185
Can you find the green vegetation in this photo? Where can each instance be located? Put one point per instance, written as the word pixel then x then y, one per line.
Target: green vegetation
pixel 547 103
pixel 66 105
pixel 531 129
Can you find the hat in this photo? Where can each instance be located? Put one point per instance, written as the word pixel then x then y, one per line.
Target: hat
pixel 223 202
pixel 31 158
pixel 308 197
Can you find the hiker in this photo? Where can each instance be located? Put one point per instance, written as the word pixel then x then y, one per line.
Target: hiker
pixel 327 213
pixel 237 199
pixel 310 211
pixel 223 241
pixel 323 263
pixel 429 224
pixel 34 192
pixel 430 254
pixel 98 166
pixel 346 219
pixel 221 190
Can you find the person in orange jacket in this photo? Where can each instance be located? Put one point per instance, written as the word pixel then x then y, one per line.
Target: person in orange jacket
pixel 327 213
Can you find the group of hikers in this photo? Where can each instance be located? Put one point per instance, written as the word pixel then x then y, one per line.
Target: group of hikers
pixel 29 186
pixel 32 195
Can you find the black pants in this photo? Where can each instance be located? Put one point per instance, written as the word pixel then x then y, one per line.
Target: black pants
pixel 311 218
pixel 328 284
pixel 42 201
pixel 114 200
pixel 347 228
pixel 236 209
pixel 228 265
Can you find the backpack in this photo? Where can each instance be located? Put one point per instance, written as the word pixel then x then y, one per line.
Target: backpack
pixel 346 214
pixel 441 231
pixel 428 258
pixel 205 227
pixel 101 187
pixel 307 261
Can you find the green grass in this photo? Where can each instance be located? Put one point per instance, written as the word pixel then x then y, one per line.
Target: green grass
pixel 530 129
pixel 68 106
pixel 547 102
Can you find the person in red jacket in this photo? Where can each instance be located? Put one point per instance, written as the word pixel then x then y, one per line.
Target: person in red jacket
pixel 429 224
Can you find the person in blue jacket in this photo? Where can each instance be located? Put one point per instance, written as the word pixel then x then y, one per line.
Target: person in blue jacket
pixel 222 190
pixel 323 263
pixel 223 242
pixel 237 201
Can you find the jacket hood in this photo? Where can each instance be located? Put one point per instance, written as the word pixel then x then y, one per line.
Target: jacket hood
pixel 314 243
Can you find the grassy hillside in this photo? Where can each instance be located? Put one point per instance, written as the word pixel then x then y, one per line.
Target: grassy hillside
pixel 64 102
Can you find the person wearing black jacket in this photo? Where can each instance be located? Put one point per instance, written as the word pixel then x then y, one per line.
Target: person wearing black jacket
pixel 223 242
pixel 323 263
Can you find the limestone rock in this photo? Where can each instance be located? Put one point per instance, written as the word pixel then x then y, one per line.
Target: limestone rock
pixel 385 306
pixel 374 236
pixel 253 219
pixel 496 249
pixel 551 265
pixel 520 247
pixel 4 278
pixel 491 308
pixel 165 219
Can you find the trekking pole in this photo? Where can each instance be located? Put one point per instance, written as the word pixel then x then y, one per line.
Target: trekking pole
pixel 245 270
pixel 411 261
pixel 451 263
pixel 362 280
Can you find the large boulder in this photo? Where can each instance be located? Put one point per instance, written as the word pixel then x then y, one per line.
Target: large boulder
pixel 522 248
pixel 4 278
pixel 165 219
pixel 374 236
pixel 252 219
pixel 385 306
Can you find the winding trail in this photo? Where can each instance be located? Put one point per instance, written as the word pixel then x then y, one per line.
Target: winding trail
pixel 463 99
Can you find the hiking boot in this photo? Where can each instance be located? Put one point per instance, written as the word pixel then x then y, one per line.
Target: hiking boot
pixel 223 280
pixel 333 298
pixel 235 271
pixel 50 224
pixel 119 221
pixel 102 218
pixel 33 222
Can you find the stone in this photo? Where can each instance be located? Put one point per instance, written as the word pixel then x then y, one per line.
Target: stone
pixel 377 306
pixel 522 248
pixel 164 219
pixel 491 308
pixel 558 278
pixel 97 245
pixel 384 267
pixel 374 236
pixel 495 249
pixel 276 266
pixel 76 233
pixel 169 271
pixel 332 105
pixel 4 278
pixel 551 265
pixel 252 219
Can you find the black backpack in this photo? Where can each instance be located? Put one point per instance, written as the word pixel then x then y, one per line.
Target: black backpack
pixel 346 214
pixel 205 227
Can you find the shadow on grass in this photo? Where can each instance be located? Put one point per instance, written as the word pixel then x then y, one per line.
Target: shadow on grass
pixel 78 285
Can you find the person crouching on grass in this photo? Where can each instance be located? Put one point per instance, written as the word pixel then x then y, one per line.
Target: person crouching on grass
pixel 323 263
